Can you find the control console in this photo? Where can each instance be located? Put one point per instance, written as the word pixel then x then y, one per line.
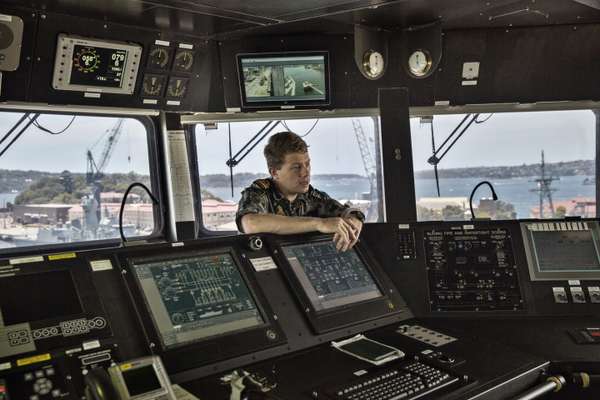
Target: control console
pixel 472 270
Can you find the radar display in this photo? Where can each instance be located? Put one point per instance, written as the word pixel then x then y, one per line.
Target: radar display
pixel 331 278
pixel 196 297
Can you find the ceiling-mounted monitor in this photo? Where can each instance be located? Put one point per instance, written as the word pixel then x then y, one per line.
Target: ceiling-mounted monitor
pixel 94 65
pixel 284 79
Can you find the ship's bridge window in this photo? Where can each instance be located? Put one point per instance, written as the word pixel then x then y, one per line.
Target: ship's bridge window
pixel 344 154
pixel 541 164
pixel 62 178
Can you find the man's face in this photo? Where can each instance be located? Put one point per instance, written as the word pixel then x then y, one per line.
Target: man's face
pixel 294 175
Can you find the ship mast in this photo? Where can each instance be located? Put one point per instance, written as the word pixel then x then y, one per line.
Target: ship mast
pixel 544 189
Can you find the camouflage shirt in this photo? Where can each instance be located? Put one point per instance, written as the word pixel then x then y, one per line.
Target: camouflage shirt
pixel 262 197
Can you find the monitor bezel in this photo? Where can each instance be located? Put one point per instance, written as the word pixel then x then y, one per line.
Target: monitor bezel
pixel 536 274
pixel 212 348
pixel 388 304
pixel 92 308
pixel 65 49
pixel 283 104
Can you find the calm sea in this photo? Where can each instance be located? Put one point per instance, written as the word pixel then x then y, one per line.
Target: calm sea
pixel 514 190
pixel 7 198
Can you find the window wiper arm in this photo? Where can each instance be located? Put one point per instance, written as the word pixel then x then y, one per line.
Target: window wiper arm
pixel 18 135
pixel 248 147
pixel 434 159
pixel 253 142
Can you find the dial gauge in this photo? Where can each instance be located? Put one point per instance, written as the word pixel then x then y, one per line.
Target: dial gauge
pixel 177 87
pixel 184 60
pixel 159 57
pixel 373 64
pixel 153 85
pixel 419 63
pixel 86 60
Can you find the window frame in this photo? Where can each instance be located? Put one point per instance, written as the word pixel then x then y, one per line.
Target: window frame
pixel 156 178
pixel 190 123
pixel 593 106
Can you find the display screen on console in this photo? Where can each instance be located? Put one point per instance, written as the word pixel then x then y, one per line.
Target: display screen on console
pixel 565 251
pixel 141 380
pixel 330 278
pixel 98 66
pixel 37 297
pixel 196 297
pixel 284 79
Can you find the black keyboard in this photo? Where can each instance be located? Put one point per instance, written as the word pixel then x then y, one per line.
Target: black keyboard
pixel 408 382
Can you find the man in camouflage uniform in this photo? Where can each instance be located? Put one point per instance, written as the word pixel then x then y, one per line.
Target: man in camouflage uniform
pixel 286 203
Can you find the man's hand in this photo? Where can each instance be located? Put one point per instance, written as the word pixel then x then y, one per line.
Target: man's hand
pixel 345 234
pixel 356 226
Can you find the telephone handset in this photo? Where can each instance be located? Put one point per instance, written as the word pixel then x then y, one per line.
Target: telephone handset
pixel 140 379
pixel 98 386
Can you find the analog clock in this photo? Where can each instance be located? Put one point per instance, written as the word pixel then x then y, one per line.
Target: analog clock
pixel 419 63
pixel 373 64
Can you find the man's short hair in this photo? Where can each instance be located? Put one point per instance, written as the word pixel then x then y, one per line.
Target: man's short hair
pixel 280 145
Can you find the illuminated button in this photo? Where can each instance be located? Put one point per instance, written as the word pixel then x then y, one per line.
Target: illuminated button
pixel 28 376
pixel 39 374
pixel 49 371
pixel 56 393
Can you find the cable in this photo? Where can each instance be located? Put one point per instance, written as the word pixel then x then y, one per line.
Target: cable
pixel 43 128
pixel 122 209
pixel 484 120
pixel 304 135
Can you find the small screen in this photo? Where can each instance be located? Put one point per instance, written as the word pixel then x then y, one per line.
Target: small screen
pixel 37 297
pixel 330 278
pixel 565 251
pixel 141 380
pixel 284 78
pixel 369 349
pixel 98 66
pixel 197 297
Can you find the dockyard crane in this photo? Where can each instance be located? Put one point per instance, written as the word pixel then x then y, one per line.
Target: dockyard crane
pixel 94 174
pixel 368 160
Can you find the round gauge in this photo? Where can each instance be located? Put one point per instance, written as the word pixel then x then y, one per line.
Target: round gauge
pixel 86 60
pixel 159 57
pixel 419 63
pixel 177 87
pixel 153 85
pixel 373 64
pixel 184 60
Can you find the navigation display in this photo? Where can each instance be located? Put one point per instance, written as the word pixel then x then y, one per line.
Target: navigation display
pixel 94 65
pixel 330 278
pixel 196 297
pixel 566 251
pixel 284 78
pixel 42 299
pixel 98 66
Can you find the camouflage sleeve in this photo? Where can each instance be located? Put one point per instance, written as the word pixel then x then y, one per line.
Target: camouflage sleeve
pixel 328 207
pixel 325 206
pixel 253 201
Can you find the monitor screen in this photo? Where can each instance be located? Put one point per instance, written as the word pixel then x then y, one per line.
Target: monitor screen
pixel 330 278
pixel 56 298
pixel 196 297
pixel 141 380
pixel 98 66
pixel 284 79
pixel 565 251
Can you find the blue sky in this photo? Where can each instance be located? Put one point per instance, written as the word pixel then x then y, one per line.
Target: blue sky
pixel 505 139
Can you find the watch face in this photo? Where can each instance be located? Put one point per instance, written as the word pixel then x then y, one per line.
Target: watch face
pixel 419 63
pixel 373 64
